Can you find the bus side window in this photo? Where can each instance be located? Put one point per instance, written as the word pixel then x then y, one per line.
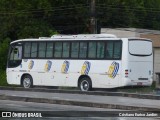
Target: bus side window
pixel 58 50
pixel 66 49
pixel 27 49
pixel 100 49
pixel 109 50
pixel 92 50
pixel 34 50
pixel 83 50
pixel 117 50
pixel 49 50
pixel 74 49
pixel 42 49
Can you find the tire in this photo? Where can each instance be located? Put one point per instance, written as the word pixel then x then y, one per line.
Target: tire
pixel 27 81
pixel 85 84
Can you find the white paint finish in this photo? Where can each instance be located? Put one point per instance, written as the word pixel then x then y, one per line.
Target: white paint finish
pixel 140 66
pixel 140 70
pixel 99 69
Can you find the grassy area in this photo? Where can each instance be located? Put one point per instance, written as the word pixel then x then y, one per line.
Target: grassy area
pixel 3 80
pixel 145 90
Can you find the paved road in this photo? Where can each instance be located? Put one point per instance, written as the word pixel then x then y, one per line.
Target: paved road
pixel 29 106
pixel 87 98
pixel 102 92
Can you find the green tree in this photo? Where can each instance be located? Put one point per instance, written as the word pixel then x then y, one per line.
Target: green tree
pixel 3 53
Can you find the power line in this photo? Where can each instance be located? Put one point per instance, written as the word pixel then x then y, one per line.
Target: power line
pixel 42 10
pixel 51 8
pixel 129 7
pixel 63 8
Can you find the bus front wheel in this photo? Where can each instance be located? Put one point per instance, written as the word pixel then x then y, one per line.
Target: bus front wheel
pixel 27 81
pixel 85 84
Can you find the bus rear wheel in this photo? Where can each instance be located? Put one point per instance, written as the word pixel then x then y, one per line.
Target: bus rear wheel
pixel 85 84
pixel 27 81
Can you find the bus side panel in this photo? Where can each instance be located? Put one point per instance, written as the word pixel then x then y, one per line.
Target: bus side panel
pixel 13 76
pixel 105 73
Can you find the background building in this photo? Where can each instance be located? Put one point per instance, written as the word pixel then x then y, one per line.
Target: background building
pixel 154 35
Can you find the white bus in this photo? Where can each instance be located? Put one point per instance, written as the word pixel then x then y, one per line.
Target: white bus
pixel 84 61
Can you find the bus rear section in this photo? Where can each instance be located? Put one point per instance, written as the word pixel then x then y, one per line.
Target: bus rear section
pixel 140 62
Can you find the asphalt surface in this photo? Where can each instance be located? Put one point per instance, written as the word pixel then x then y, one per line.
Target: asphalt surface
pixel 155 96
pixel 30 106
pixel 79 100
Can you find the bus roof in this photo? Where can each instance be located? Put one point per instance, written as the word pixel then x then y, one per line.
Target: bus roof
pixel 75 37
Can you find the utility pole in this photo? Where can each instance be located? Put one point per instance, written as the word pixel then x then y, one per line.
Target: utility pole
pixel 93 19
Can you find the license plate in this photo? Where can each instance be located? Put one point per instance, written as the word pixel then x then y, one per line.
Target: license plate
pixel 139 83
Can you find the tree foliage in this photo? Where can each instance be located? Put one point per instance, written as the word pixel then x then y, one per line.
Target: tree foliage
pixel 3 53
pixel 129 13
pixel 24 18
pixel 36 18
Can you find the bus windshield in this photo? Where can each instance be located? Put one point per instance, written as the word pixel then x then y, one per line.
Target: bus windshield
pixel 15 55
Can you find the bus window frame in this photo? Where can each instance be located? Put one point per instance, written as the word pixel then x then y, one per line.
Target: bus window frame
pixel 70 42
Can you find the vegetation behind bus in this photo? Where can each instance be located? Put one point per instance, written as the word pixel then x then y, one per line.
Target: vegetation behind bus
pixel 3 60
pixel 139 90
pixel 38 18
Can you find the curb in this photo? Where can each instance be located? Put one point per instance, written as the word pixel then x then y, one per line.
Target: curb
pixel 76 103
pixel 100 93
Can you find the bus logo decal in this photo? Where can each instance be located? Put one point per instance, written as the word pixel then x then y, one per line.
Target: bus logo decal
pixel 85 68
pixel 113 70
pixel 48 66
pixel 65 66
pixel 31 64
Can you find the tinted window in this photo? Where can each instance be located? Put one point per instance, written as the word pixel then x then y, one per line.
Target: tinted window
pixel 109 50
pixel 34 50
pixel 27 49
pixel 100 49
pixel 74 49
pixel 58 49
pixel 83 50
pixel 42 49
pixel 66 48
pixel 49 50
pixel 92 50
pixel 117 50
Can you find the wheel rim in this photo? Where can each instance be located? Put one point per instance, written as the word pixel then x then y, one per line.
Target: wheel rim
pixel 26 83
pixel 84 85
